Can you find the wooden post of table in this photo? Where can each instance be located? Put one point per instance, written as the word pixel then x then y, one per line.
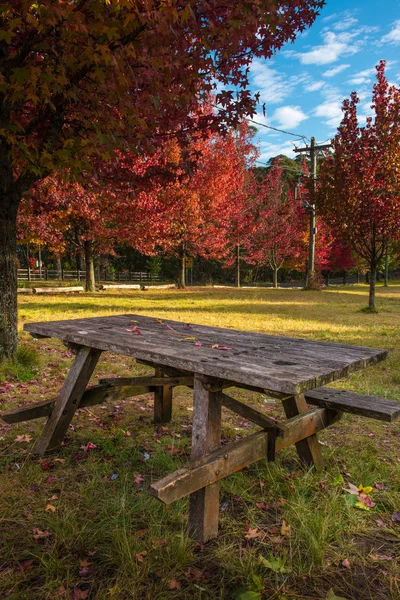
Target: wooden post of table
pixel 162 400
pixel 206 437
pixel 68 400
pixel 307 449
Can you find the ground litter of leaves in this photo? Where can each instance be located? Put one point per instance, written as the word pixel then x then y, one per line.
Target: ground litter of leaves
pixel 81 524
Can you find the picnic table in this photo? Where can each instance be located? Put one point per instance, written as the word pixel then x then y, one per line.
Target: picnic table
pixel 210 360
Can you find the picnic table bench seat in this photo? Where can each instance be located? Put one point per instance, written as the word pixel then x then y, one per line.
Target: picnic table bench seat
pixel 357 404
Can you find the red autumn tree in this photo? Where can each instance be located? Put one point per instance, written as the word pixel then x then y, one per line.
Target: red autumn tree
pixel 77 77
pixel 276 239
pixel 205 204
pixel 359 191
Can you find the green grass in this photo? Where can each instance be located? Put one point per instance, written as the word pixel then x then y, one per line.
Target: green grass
pixel 108 538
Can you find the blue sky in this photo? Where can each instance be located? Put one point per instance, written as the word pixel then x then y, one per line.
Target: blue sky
pixel 304 86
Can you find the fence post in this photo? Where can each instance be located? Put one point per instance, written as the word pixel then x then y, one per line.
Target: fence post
pixel 46 275
pixel 29 273
pixel 79 274
pixel 62 274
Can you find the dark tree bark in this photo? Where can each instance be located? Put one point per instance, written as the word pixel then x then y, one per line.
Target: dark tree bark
pixel 275 277
pixel 182 272
pixel 90 283
pixel 8 275
pixel 237 274
pixel 372 281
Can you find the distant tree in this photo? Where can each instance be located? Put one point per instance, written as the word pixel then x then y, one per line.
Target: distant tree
pixel 359 188
pixel 276 239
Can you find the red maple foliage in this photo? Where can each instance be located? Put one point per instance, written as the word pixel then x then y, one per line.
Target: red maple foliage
pixel 358 192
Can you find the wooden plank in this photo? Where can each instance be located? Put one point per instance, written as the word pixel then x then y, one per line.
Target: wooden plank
pixel 163 399
pixel 308 449
pixel 150 380
pixel 236 456
pixel 250 413
pixel 96 394
pixel 206 437
pixel 357 404
pixel 68 400
pixel 281 365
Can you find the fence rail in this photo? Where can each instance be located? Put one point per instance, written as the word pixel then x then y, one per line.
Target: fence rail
pixel 100 275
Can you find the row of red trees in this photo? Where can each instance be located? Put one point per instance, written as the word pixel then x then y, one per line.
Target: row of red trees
pixel 216 205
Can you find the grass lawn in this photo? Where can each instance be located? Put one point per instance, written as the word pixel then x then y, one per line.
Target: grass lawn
pixel 81 524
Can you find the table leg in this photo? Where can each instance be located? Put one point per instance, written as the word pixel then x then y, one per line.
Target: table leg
pixel 308 449
pixel 206 437
pixel 162 401
pixel 68 400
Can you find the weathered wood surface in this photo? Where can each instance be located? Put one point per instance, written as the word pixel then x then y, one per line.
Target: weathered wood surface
pixel 58 290
pixel 163 398
pixel 206 437
pixel 274 363
pixel 68 400
pixel 250 413
pixel 343 400
pixel 96 394
pixel 308 448
pixel 235 456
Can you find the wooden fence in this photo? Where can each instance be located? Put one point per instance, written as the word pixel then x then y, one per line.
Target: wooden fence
pixel 100 275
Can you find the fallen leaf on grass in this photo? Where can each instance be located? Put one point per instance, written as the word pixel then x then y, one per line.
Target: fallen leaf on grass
pixel 50 479
pixel 138 479
pixel 262 506
pixel 140 533
pixel 252 534
pixel 381 557
pixel 23 438
pixel 79 594
pixel 379 486
pixel 380 523
pixel 396 516
pixel 140 556
pixel 50 508
pixel 46 465
pixel 346 564
pixel 286 529
pixel 38 534
pixel 173 584
pixel 159 542
pixel 25 565
pixel 223 348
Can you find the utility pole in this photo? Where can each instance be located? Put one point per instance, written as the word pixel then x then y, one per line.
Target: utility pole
pixel 312 151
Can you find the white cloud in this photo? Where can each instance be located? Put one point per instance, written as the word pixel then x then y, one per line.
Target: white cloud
pixel 335 71
pixel 393 37
pixel 273 86
pixel 315 86
pixel 335 46
pixel 288 117
pixel 362 76
pixel 345 23
pixel 330 111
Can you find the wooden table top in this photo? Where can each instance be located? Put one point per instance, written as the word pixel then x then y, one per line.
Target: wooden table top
pixel 278 364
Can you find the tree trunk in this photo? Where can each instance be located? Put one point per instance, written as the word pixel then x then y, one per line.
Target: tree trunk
pixel 237 275
pixel 90 283
pixel 386 284
pixel 275 277
pixel 8 277
pixel 372 281
pixel 182 272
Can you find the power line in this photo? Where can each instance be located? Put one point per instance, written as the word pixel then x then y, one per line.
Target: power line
pixel 304 137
